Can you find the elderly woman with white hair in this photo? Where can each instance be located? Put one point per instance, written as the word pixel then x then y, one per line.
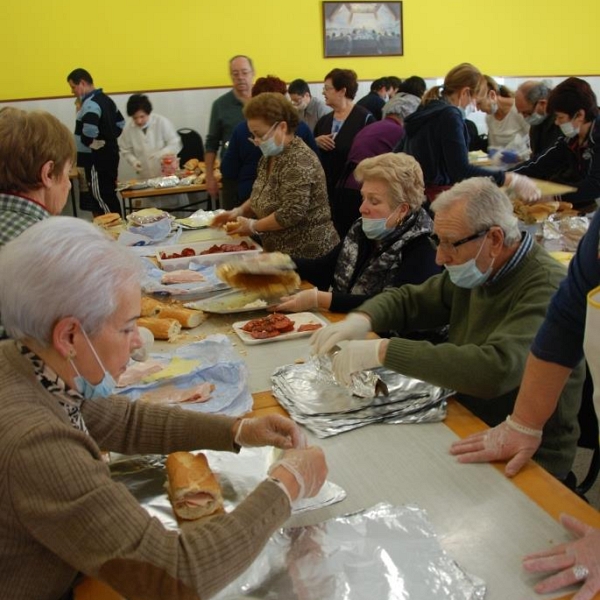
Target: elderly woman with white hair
pixel 73 325
pixel 387 247
pixel 378 138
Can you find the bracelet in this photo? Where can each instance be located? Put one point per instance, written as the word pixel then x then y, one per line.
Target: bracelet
pixel 523 429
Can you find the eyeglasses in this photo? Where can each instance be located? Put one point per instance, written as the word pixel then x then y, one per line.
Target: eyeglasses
pixel 257 141
pixel 243 73
pixel 452 246
pixel 328 88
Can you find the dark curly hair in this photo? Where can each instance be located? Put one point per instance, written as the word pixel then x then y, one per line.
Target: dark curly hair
pixel 344 78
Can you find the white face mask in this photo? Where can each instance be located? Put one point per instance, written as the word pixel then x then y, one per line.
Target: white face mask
pixel 535 119
pixel 569 130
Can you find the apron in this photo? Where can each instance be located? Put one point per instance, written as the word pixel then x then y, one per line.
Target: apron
pixel 591 342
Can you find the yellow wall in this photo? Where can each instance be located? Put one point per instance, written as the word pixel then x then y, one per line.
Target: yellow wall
pixel 141 45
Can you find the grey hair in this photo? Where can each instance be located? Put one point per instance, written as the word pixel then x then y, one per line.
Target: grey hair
pixel 486 206
pixel 62 267
pixel 402 105
pixel 534 91
pixel 401 172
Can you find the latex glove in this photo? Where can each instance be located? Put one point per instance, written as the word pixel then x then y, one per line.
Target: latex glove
pixel 524 188
pixel 137 165
pixel 355 327
pixel 575 561
pixel 307 467
pixel 502 442
pixel 245 227
pixel 97 144
pixel 355 357
pixel 226 217
pixel 141 354
pixel 304 300
pixel 271 430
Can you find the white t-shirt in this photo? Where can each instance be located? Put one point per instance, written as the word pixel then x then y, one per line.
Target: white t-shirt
pixel 502 133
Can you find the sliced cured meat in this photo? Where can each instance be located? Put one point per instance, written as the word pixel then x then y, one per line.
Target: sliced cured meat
pixel 169 394
pixel 181 276
pixel 309 327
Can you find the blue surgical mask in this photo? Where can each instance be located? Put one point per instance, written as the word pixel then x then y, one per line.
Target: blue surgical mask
pixel 89 390
pixel 569 130
pixel 535 119
pixel 270 147
pixel 468 274
pixel 376 229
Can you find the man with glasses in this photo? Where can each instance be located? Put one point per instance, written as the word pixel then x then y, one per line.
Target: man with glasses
pixel 225 114
pixel 531 99
pixel 492 295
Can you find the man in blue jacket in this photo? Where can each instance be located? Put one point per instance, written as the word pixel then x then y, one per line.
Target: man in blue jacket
pixel 99 123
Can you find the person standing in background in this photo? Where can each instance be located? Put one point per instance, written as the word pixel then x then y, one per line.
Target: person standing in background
pixel 310 109
pixel 98 125
pixel 531 100
pixel 225 114
pixel 147 137
pixel 375 100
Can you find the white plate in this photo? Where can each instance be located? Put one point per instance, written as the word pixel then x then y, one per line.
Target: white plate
pixel 230 302
pixel 297 318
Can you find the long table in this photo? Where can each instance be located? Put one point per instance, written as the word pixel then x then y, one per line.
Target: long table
pixel 130 195
pixel 485 521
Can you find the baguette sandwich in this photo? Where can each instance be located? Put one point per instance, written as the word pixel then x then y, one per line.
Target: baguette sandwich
pixel 186 317
pixel 193 488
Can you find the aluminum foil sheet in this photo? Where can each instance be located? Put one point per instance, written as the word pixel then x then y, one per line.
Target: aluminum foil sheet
pixel 313 398
pixel 382 553
pixel 238 474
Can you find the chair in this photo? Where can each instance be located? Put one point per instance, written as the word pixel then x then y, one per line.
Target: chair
pixel 193 146
pixel 588 438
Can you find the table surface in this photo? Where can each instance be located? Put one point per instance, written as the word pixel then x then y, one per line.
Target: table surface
pixel 485 521
pixel 164 191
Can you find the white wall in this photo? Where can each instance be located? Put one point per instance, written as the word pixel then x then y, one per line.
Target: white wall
pixel 191 108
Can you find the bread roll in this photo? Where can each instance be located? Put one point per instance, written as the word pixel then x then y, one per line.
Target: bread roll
pixel 186 317
pixel 193 488
pixel 162 329
pixel 150 306
pixel 108 220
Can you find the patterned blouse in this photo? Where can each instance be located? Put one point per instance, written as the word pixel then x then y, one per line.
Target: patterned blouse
pixel 296 192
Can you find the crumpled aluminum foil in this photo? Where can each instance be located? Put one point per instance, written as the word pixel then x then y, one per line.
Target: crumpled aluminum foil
pixel 310 393
pixel 238 474
pixel 382 553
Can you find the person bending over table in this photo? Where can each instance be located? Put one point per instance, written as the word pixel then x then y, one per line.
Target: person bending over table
pixel 240 162
pixel 73 329
pixel 147 137
pixel 574 158
pixel 387 247
pixel 569 331
pixel 493 296
pixel 437 136
pixel 288 206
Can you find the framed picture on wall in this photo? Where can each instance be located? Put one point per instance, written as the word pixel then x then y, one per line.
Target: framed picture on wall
pixel 362 29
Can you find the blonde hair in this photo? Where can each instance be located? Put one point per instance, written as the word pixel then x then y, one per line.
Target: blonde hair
pixel 272 107
pixel 401 172
pixel 28 140
pixel 461 76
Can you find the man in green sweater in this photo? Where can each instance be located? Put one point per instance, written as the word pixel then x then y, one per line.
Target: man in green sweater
pixel 493 295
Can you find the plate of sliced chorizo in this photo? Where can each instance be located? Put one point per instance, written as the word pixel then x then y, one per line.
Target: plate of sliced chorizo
pixel 277 326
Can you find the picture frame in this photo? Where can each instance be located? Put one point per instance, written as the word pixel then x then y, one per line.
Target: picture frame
pixel 362 29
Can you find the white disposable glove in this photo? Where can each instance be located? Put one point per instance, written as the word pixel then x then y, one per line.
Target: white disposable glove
pixel 245 226
pixel 271 430
pixel 97 144
pixel 576 561
pixel 141 354
pixel 355 357
pixel 507 441
pixel 524 188
pixel 304 300
pixel 137 165
pixel 355 327
pixel 308 468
